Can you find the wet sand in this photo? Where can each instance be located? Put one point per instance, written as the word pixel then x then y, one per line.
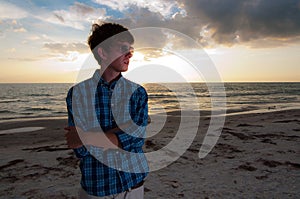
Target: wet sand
pixel 257 156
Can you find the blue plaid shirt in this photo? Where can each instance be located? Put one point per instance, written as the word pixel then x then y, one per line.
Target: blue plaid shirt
pixel 95 105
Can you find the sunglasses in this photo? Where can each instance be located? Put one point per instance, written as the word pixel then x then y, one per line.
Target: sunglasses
pixel 126 49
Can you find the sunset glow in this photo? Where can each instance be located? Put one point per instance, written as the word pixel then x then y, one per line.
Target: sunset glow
pixel 45 41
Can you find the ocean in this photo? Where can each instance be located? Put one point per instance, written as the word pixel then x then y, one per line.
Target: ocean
pixel 21 101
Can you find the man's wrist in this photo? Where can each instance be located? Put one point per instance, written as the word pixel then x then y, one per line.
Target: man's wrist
pixel 104 140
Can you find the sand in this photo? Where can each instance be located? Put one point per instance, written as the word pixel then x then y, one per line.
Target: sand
pixel 257 156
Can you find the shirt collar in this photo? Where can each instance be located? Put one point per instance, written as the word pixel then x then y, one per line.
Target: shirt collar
pixel 97 78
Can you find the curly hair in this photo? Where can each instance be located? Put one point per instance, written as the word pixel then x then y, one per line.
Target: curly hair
pixel 101 36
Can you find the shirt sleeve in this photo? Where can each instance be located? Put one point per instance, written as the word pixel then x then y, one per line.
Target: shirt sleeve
pixel 81 151
pixel 132 137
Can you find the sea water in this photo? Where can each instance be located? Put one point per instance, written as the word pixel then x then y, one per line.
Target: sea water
pixel 19 101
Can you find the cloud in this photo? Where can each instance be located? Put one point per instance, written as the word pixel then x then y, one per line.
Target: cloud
pixel 2 34
pixel 142 17
pixel 69 57
pixel 20 30
pixel 60 18
pixel 210 22
pixel 164 8
pixel 37 39
pixel 77 16
pixel 64 52
pixel 273 42
pixel 11 11
pixel 215 22
pixel 24 59
pixel 64 48
pixel 34 38
pixel 12 50
pixel 245 20
pixel 14 22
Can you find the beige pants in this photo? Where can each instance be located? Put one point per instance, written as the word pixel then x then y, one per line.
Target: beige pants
pixel 137 193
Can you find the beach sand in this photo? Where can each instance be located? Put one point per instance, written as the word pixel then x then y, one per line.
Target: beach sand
pixel 256 156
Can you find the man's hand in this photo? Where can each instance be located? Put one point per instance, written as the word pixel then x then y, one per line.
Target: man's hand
pixel 106 140
pixel 72 137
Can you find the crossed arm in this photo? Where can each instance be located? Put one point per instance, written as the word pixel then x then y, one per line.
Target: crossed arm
pixel 76 138
pixel 114 138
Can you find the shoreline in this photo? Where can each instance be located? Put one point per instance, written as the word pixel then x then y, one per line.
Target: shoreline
pixel 202 113
pixel 256 154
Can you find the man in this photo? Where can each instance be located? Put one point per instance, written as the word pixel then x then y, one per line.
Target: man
pixel 107 116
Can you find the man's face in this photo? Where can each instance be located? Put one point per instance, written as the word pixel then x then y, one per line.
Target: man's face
pixel 119 55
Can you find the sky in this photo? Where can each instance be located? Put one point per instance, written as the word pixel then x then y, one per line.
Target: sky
pixel 246 41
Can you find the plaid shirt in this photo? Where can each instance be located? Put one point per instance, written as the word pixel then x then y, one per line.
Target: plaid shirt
pixel 95 105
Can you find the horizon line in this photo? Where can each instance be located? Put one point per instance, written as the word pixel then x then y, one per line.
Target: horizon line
pixel 159 82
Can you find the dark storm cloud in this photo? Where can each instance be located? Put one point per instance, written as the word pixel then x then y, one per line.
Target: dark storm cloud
pixel 227 21
pixel 140 18
pixel 250 20
pixel 143 17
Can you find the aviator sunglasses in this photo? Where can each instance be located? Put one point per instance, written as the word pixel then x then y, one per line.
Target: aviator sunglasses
pixel 124 49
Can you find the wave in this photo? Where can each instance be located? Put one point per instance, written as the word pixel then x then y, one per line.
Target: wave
pixel 26 113
pixel 59 112
pixel 38 109
pixel 6 111
pixel 161 96
pixel 5 101
pixel 38 95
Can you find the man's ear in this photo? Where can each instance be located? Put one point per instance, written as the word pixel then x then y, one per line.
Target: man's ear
pixel 102 53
